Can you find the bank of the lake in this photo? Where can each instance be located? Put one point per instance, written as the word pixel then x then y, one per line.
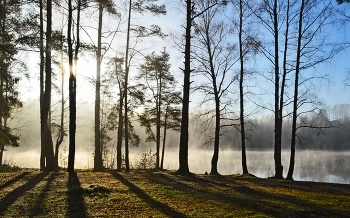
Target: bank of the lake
pixel 316 166
pixel 165 194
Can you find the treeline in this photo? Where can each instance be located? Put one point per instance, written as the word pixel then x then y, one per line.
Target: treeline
pixel 327 130
pixel 240 58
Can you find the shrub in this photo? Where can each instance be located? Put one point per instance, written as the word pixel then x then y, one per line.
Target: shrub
pixel 147 161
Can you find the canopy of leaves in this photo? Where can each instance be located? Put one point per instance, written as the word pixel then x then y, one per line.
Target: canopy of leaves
pixel 343 1
pixel 142 6
pixel 109 6
pixel 7 138
pixel 160 96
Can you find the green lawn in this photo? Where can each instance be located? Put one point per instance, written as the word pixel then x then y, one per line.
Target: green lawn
pixel 165 194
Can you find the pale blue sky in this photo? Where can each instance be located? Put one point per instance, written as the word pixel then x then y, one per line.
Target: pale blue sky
pixel 333 93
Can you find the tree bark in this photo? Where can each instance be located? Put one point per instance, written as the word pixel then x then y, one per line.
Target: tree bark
pixel 183 151
pixel 241 90
pixel 126 121
pixel 296 87
pixel 42 63
pixel 158 105
pixel 120 128
pixel 73 88
pixel 284 75
pixel 98 163
pixel 2 100
pixel 60 138
pixel 278 129
pixel 215 158
pixel 47 95
pixel 1 154
pixel 164 136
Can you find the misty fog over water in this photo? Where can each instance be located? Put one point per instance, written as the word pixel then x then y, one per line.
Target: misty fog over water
pixel 317 166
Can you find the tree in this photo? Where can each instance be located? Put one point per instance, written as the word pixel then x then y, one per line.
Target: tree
pixel 117 62
pixel 41 85
pixel 172 117
pixel 270 16
pixel 183 148
pixel 343 1
pixel 115 117
pixel 10 31
pixel 9 102
pixel 126 78
pixel 183 151
pixel 60 130
pixel 313 17
pixel 296 86
pixel 139 6
pixel 109 6
pixel 241 89
pixel 278 110
pixel 215 57
pixel 158 80
pixel 73 61
pixel 49 154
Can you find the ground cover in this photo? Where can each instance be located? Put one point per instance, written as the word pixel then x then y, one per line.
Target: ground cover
pixel 31 193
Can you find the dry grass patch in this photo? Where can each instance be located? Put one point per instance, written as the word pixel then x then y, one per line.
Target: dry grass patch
pixel 165 194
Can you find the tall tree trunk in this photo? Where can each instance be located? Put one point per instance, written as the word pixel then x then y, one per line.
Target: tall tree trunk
pixel 284 76
pixel 42 63
pixel 241 90
pixel 98 164
pixel 6 102
pixel 61 135
pixel 47 95
pixel 72 85
pixel 126 121
pixel 2 103
pixel 120 128
pixel 278 130
pixel 214 161
pixel 1 153
pixel 183 151
pixel 164 136
pixel 296 87
pixel 158 105
pixel 71 88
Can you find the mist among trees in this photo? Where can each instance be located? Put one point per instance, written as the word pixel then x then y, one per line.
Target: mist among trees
pixel 238 75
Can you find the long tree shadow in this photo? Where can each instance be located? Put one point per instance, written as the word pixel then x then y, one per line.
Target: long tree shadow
pixel 163 208
pixel 249 198
pixel 277 202
pixel 11 197
pixel 15 179
pixel 76 205
pixel 38 207
pixel 305 186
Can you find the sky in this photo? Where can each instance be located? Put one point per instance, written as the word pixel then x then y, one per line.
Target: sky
pixel 334 92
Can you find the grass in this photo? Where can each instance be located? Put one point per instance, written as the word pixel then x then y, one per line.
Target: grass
pixel 30 193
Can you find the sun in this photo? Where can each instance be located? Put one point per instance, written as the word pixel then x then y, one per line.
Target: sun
pixel 84 68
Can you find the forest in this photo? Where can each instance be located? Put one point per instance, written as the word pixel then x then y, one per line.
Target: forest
pixel 234 74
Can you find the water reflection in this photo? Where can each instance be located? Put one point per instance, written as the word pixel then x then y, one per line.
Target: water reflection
pixel 318 166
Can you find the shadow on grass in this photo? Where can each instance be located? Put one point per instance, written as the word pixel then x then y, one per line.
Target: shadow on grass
pixel 11 197
pixel 163 208
pixel 38 207
pixel 76 205
pixel 247 198
pixel 15 179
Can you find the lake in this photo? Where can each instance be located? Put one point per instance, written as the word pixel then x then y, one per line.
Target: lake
pixel 317 166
